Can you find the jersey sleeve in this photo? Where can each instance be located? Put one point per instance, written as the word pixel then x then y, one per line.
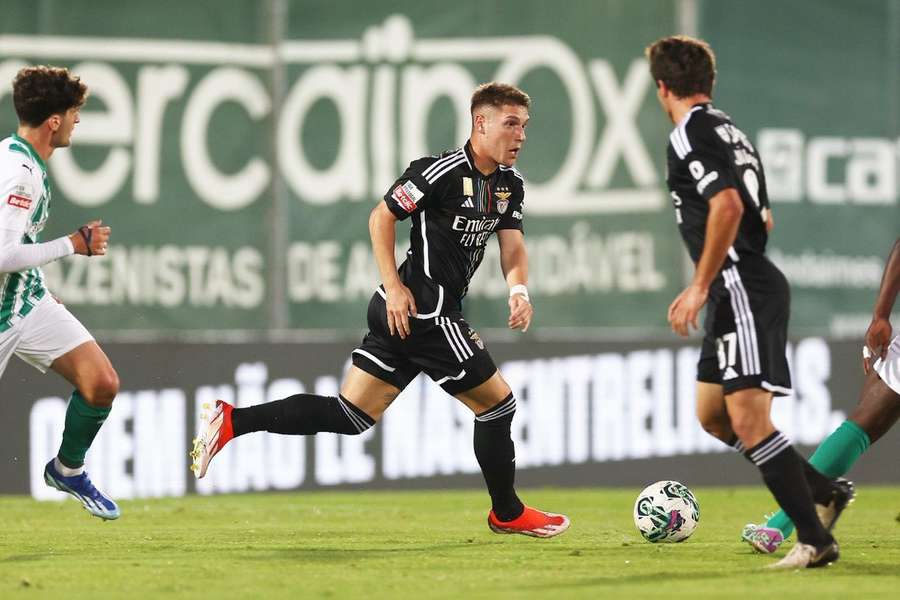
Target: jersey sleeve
pixel 411 193
pixel 709 162
pixel 17 195
pixel 515 212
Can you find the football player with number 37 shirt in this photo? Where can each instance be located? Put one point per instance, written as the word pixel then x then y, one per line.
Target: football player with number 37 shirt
pixel 718 189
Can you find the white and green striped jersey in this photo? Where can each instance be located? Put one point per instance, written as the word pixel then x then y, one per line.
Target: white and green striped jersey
pixel 24 208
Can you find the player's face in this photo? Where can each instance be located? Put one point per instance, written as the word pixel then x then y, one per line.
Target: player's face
pixel 62 137
pixel 504 132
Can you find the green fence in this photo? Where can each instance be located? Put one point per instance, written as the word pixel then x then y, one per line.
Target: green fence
pixel 238 147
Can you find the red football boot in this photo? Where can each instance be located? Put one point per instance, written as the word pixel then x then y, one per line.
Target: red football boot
pixel 214 434
pixel 532 521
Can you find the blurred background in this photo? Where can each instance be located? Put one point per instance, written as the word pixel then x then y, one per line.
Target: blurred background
pixel 236 148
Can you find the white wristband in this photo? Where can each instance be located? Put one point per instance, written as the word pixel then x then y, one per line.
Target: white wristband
pixel 519 288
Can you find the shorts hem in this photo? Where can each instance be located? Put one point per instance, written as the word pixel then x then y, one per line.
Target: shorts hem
pixel 464 385
pixel 51 358
pixel 747 383
pixel 364 363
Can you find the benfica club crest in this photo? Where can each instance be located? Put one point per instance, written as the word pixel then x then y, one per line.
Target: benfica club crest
pixel 502 196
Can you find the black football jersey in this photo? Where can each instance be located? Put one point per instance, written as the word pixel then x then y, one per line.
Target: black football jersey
pixel 707 154
pixel 455 210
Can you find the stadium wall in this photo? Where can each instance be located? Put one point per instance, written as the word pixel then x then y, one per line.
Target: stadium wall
pixel 588 414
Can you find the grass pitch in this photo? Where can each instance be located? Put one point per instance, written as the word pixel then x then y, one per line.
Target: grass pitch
pixel 422 545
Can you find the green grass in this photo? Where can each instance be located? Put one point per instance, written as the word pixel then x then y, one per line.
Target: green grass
pixel 422 545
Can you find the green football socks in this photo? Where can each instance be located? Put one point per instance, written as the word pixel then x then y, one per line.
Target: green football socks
pixel 83 421
pixel 834 457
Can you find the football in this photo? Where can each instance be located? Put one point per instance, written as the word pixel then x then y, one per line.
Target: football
pixel 666 511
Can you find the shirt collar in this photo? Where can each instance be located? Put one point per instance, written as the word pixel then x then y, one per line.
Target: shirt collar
pixel 37 157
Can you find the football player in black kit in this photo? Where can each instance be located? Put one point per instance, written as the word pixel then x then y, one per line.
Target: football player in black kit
pixel 456 201
pixel 718 189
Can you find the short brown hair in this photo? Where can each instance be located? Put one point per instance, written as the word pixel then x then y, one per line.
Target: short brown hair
pixel 499 94
pixel 686 65
pixel 39 92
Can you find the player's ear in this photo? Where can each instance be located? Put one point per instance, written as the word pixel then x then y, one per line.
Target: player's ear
pixel 54 122
pixel 478 122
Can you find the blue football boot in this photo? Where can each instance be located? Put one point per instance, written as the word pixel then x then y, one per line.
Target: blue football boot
pixel 94 501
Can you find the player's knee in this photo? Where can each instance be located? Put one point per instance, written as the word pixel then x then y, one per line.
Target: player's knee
pixel 750 425
pixel 103 389
pixel 716 425
pixel 356 420
pixel 501 414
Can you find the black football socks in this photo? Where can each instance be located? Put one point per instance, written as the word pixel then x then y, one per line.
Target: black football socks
pixel 783 472
pixel 496 456
pixel 302 414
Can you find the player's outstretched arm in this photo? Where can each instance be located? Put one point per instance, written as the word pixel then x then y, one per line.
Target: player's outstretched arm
pixel 514 262
pixel 16 256
pixel 725 212
pixel 399 299
pixel 878 336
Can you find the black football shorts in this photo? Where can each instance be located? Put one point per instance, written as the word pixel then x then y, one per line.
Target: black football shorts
pixel 445 348
pixel 746 329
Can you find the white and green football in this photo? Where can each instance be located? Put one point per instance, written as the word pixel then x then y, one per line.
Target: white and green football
pixel 666 511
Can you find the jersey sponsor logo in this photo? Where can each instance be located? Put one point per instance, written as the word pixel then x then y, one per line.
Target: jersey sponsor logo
pixel 407 195
pixel 19 201
pixel 517 215
pixel 704 183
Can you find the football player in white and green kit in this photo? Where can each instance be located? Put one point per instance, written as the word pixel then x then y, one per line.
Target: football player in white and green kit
pixel 33 324
pixel 877 411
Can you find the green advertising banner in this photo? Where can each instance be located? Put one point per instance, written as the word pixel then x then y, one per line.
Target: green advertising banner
pixel 817 85
pixel 237 149
pixel 170 143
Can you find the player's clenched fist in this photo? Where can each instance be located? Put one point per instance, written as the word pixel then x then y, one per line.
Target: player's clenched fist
pixel 91 239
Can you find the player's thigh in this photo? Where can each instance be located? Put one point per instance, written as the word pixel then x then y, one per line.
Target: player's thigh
pixel 749 410
pixel 367 392
pixel 878 408
pixel 89 369
pixel 52 338
pixel 711 404
pixel 485 396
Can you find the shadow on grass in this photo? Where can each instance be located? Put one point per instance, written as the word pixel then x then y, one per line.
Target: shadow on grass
pixel 17 558
pixel 334 554
pixel 846 570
